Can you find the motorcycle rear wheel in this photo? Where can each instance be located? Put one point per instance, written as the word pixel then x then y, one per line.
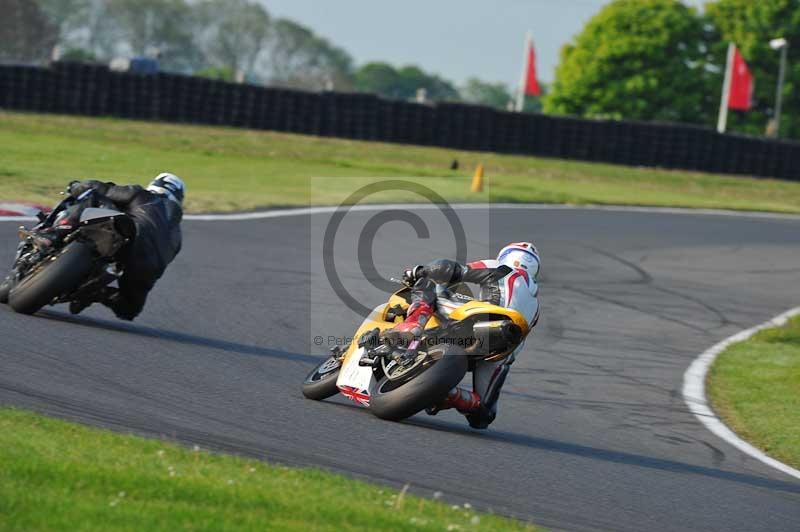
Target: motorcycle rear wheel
pixel 321 382
pixel 53 279
pixel 395 402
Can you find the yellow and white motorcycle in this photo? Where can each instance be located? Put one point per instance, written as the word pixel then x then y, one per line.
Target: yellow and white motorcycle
pixel 397 381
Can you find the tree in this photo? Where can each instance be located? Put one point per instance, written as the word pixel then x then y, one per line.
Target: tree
pixel 78 54
pixel 637 59
pixel 217 73
pixel 108 28
pixel 751 25
pixel 402 83
pixel 412 78
pixel 67 15
pixel 298 58
pixel 233 33
pixel 25 32
pixel 379 78
pixel 480 92
pixel 88 26
pixel 168 26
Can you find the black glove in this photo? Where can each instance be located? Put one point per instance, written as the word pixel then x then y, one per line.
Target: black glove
pixel 73 189
pixel 412 275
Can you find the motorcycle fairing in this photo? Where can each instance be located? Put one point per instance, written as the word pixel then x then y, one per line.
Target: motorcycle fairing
pixel 358 383
pixel 479 307
pixel 354 394
pixel 95 214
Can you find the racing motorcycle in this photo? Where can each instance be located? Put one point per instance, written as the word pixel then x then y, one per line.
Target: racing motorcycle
pixel 71 255
pixel 396 381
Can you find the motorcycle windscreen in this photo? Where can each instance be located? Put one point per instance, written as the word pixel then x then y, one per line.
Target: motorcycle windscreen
pixel 91 214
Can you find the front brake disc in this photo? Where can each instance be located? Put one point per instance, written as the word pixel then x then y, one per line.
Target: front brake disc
pixel 396 371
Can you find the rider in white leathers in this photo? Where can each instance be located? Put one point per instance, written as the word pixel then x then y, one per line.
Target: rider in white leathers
pixel 508 281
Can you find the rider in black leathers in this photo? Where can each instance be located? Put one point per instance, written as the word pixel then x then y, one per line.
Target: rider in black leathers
pixel 157 212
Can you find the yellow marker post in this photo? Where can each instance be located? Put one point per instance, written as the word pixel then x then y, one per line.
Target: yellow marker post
pixel 477 179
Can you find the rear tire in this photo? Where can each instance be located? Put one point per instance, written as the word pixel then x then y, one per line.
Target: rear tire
pixel 55 279
pixel 321 382
pixel 423 391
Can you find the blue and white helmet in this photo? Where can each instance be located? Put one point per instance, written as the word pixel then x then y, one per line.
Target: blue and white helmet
pixel 168 185
pixel 522 255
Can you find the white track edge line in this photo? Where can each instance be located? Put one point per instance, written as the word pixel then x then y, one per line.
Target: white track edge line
pixel 694 392
pixel 303 211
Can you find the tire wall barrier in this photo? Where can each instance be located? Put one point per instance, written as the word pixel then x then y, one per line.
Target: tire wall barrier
pixel 93 90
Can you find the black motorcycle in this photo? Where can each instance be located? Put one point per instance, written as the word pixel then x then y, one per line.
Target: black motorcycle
pixel 71 255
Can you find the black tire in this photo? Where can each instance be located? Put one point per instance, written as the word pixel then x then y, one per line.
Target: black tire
pixel 321 382
pixel 423 391
pixel 56 278
pixel 5 287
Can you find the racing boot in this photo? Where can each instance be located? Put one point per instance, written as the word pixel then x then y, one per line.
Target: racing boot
pixel 465 401
pixel 77 306
pixel 104 295
pixel 123 307
pixel 482 417
pixel 404 333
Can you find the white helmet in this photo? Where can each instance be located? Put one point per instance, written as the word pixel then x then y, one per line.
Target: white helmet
pixel 168 185
pixel 522 255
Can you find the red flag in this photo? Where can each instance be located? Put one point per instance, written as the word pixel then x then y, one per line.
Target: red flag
pixel 740 96
pixel 531 83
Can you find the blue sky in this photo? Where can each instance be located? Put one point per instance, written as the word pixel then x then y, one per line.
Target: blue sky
pixel 455 38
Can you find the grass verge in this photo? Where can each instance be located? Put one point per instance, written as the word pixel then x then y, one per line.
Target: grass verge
pixel 233 169
pixel 755 387
pixel 56 475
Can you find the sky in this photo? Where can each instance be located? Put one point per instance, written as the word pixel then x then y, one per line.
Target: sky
pixel 457 39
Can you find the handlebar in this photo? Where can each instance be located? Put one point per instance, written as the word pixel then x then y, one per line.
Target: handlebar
pixel 68 201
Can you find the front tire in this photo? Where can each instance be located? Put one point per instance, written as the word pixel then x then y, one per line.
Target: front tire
pixel 58 277
pixel 321 382
pixel 395 403
pixel 5 287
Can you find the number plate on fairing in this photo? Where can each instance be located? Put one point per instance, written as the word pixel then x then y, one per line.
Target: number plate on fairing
pixel 356 382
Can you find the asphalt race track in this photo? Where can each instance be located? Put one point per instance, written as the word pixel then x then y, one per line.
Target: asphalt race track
pixel 593 432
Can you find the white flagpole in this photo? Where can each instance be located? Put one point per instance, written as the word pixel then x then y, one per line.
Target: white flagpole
pixel 722 122
pixel 521 89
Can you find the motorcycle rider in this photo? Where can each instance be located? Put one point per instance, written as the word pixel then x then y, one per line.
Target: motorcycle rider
pixel 508 281
pixel 156 212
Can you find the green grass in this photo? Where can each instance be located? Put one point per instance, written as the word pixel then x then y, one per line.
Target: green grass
pixel 755 388
pixel 56 475
pixel 229 169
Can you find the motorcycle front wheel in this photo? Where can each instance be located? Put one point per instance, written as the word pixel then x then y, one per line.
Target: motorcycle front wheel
pixel 321 382
pixel 5 287
pixel 395 401
pixel 56 277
